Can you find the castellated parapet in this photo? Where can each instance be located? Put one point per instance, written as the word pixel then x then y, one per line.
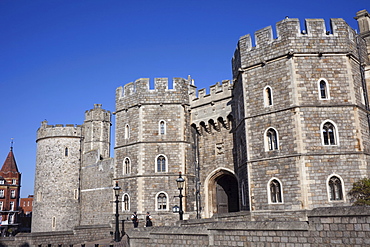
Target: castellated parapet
pixel 58 130
pixel 139 93
pixel 213 109
pixel 292 39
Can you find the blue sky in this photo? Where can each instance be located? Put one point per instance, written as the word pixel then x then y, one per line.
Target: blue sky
pixel 59 57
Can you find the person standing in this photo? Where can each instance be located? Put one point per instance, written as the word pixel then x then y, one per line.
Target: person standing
pixel 135 220
pixel 148 222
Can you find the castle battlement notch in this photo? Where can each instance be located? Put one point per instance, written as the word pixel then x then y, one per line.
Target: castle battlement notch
pixel 315 38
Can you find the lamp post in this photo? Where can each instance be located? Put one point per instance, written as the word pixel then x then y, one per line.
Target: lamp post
pixel 180 185
pixel 116 193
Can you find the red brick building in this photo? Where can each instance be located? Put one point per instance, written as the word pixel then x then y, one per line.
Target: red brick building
pixel 25 205
pixel 10 181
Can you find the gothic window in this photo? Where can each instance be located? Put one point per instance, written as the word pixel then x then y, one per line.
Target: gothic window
pixel 127 131
pixel 162 201
pixel 66 152
pixel 14 181
pixel 275 191
pixel 329 134
pixel 161 163
pixel 2 181
pixel 335 189
pixel 272 139
pixel 126 166
pixel 162 127
pixel 1 206
pixel 268 96
pixel 1 193
pixel 11 206
pixel 126 203
pixel 323 89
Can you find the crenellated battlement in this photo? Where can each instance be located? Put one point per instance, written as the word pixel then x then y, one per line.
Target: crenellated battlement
pixel 291 39
pixel 142 85
pixel 58 130
pixel 217 92
pixel 97 114
pixel 139 92
pixel 212 111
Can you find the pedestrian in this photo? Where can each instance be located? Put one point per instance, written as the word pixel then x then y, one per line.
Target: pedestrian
pixel 135 220
pixel 148 219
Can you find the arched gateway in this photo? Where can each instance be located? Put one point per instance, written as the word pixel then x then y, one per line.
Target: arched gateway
pixel 221 192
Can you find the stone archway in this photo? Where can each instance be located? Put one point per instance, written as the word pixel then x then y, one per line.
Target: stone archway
pixel 222 193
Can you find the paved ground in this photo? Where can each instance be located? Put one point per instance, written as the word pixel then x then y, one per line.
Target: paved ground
pixel 106 243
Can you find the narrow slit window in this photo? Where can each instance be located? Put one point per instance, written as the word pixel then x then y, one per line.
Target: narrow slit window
pixel 268 96
pixel 323 89
pixel 162 127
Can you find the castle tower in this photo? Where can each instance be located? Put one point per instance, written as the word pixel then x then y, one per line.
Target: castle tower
pixel 58 162
pixel 300 103
pixel 97 131
pixel 152 145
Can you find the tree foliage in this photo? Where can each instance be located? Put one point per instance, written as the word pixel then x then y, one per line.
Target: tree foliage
pixel 360 192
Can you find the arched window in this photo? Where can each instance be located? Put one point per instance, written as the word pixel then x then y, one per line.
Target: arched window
pixel 329 134
pixel 66 152
pixel 335 189
pixel 127 131
pixel 161 163
pixel 268 96
pixel 272 139
pixel 162 127
pixel 161 201
pixel 126 166
pixel 323 89
pixel 275 191
pixel 126 203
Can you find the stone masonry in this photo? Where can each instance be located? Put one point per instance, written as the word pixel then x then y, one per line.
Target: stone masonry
pixel 289 133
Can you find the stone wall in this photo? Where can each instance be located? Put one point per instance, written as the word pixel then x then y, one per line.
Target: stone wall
pixel 79 235
pixel 338 226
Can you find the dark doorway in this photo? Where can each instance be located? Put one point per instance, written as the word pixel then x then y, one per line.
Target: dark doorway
pixel 227 194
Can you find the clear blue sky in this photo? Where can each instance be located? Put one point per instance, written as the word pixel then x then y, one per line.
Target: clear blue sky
pixel 59 57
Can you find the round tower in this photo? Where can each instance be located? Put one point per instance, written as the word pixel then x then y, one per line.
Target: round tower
pixel 56 178
pixel 152 142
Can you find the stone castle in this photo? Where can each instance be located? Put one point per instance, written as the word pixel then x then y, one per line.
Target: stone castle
pixel 290 133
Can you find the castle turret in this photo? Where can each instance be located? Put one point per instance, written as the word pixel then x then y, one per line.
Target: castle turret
pixel 97 131
pixel 57 177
